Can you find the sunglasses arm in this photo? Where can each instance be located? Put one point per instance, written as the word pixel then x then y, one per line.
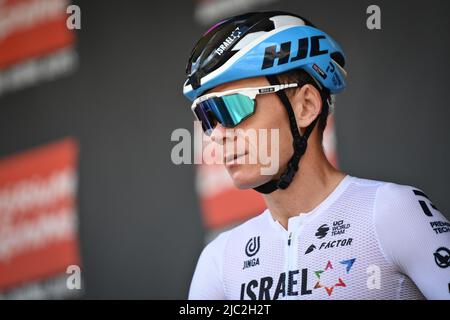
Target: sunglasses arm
pixel 249 92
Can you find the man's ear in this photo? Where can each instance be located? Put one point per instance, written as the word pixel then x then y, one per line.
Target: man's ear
pixel 307 104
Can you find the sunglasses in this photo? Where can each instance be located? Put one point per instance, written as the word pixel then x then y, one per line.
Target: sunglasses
pixel 229 108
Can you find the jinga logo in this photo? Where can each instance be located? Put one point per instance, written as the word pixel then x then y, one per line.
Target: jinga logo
pixel 252 246
pixel 251 263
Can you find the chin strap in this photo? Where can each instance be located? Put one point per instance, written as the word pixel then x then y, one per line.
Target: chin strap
pixel 300 143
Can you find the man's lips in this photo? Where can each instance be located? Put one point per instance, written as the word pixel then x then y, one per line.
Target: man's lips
pixel 233 157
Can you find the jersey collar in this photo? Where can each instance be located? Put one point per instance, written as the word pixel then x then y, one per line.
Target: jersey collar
pixel 305 217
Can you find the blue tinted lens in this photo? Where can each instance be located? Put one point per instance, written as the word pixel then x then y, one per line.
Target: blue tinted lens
pixel 228 110
pixel 206 116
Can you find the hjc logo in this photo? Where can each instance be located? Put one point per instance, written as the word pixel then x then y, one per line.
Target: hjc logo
pixel 283 55
pixel 252 246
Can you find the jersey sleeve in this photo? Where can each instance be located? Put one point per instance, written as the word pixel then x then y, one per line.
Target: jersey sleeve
pixel 415 237
pixel 207 282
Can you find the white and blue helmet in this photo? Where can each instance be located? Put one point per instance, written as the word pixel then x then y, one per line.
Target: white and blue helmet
pixel 262 44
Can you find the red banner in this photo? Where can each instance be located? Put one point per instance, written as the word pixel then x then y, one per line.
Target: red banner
pixel 38 226
pixel 32 28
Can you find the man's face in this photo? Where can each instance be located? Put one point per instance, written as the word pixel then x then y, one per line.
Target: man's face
pixel 266 149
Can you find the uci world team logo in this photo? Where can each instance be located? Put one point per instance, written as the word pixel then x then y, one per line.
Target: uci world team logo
pixel 252 246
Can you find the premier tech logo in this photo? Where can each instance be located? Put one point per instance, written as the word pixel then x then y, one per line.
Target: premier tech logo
pixel 338 227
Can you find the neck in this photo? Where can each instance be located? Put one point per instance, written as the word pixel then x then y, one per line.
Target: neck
pixel 313 182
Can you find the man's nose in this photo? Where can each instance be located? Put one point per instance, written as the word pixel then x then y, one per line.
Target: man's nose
pixel 218 135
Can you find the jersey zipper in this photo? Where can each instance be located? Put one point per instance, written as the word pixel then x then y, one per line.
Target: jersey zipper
pixel 288 263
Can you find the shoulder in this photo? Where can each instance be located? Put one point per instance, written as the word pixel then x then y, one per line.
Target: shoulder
pixel 398 219
pixel 400 199
pixel 393 202
pixel 217 244
pixel 393 191
pixel 390 195
pixel 402 215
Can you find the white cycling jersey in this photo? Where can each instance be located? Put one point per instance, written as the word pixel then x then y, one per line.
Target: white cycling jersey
pixel 367 240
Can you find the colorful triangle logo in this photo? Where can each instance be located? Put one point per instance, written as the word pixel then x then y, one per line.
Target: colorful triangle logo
pixel 348 264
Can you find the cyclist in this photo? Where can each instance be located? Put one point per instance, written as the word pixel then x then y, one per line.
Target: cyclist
pixel 325 234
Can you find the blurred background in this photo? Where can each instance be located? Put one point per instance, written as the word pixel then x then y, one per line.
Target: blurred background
pixel 86 117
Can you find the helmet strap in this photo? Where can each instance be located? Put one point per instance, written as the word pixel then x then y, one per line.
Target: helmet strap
pixel 300 142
